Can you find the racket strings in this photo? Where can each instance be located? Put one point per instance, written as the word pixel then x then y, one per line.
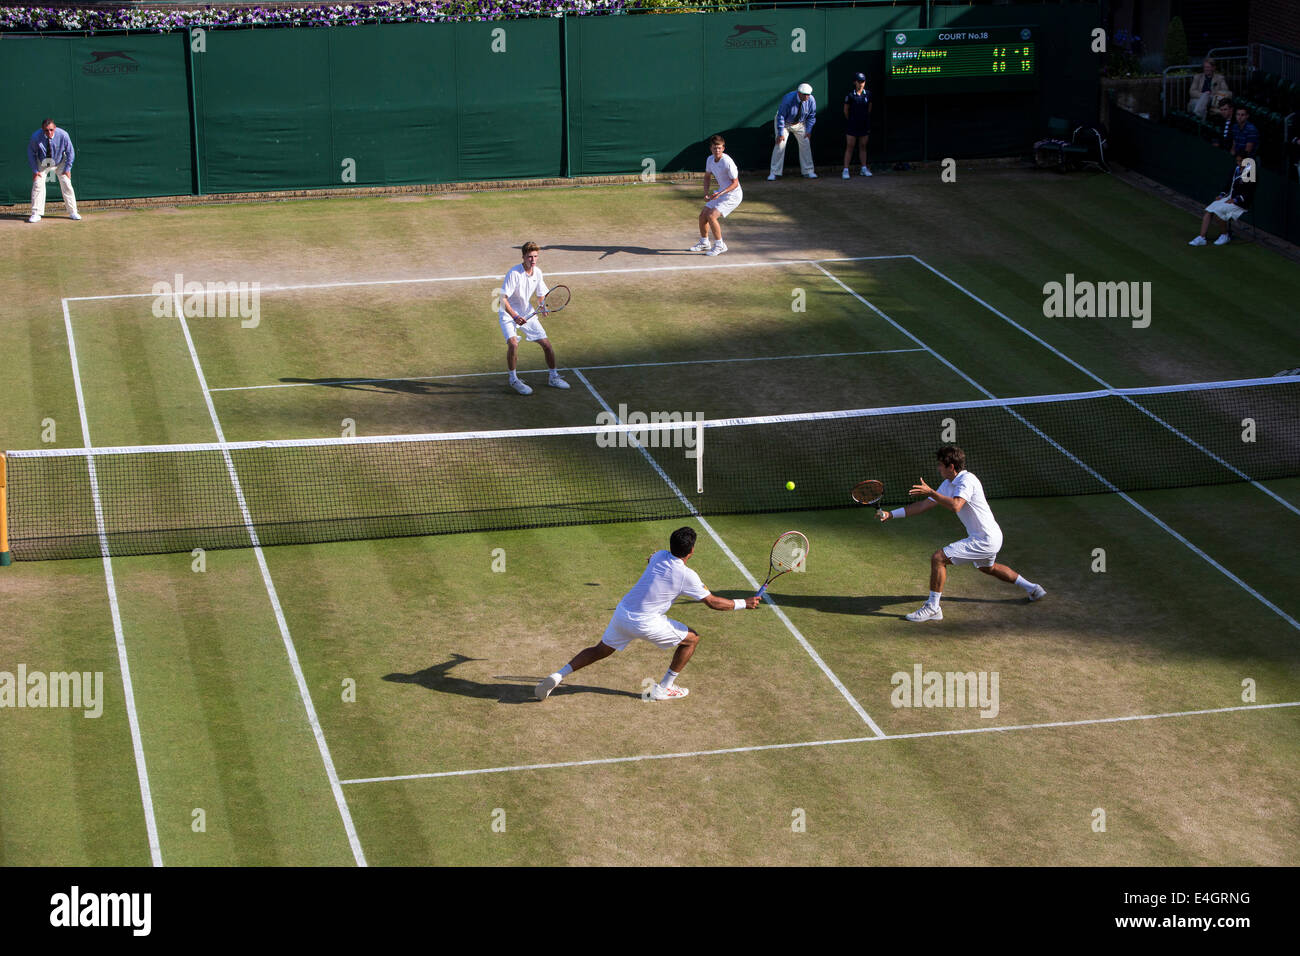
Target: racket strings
pixel 788 554
pixel 557 298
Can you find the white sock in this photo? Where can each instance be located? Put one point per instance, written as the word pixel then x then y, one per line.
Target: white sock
pixel 1022 583
pixel 563 672
pixel 669 677
pixel 934 598
pixel 513 376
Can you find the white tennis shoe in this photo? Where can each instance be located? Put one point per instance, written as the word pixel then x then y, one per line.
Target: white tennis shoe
pixel 520 387
pixel 544 688
pixel 556 382
pixel 1223 240
pixel 33 218
pixel 1198 241
pixel 658 692
pixel 845 173
pixel 926 612
pixel 718 249
pixel 1038 593
pixel 865 172
pixel 701 246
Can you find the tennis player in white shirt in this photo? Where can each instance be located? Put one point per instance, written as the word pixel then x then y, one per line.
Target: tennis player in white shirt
pixel 522 285
pixel 641 615
pixel 717 205
pixel 962 494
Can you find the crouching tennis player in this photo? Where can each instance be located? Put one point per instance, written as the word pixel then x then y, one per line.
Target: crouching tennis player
pixel 961 493
pixel 641 616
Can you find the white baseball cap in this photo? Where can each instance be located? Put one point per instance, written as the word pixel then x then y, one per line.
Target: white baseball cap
pixel 804 88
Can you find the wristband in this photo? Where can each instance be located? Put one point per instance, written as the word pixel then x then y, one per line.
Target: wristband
pixel 898 513
pixel 739 604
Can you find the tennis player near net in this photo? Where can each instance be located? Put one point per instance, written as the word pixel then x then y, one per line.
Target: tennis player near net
pixel 641 615
pixel 522 285
pixel 962 494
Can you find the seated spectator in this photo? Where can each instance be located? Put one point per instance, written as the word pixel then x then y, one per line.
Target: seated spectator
pixel 1223 138
pixel 1245 137
pixel 1208 87
pixel 1230 205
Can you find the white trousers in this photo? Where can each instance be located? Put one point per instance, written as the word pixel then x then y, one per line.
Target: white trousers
pixel 65 190
pixel 805 150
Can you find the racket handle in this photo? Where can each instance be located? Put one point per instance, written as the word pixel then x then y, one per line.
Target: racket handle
pixel 761 592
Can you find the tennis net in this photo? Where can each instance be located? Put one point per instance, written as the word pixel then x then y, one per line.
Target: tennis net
pixel 67 503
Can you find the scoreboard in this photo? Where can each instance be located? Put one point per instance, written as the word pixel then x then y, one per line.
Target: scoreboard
pixel 961 60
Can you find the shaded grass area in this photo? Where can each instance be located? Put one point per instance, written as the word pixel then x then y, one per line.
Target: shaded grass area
pixel 420 656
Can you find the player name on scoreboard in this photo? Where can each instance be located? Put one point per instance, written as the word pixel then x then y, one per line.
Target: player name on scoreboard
pixel 962 61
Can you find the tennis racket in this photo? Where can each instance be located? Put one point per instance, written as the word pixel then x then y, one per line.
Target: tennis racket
pixel 553 301
pixel 788 554
pixel 869 493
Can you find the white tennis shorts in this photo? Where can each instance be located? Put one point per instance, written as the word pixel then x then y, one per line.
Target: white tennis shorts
pixel 532 329
pixel 977 551
pixel 1225 210
pixel 655 628
pixel 725 204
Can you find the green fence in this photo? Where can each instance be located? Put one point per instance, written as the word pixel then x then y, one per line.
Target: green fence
pixel 249 110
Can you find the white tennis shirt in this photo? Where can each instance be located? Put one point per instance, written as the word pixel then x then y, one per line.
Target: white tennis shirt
pixel 664 580
pixel 977 516
pixel 724 171
pixel 520 287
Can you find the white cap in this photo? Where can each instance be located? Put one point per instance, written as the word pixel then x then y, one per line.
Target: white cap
pixel 805 88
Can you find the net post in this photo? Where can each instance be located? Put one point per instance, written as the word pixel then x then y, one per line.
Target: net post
pixel 699 456
pixel 6 558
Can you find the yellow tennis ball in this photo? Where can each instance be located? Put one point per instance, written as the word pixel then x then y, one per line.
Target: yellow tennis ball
pixel 789 486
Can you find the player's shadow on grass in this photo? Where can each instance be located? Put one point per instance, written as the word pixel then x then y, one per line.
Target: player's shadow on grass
pixel 872 605
pixel 607 251
pixel 400 385
pixel 519 691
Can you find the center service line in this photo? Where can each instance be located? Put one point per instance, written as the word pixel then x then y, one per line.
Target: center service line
pixel 743 570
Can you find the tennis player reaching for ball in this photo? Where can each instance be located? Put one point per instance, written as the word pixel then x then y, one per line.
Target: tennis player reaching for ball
pixel 962 494
pixel 641 615
pixel 522 285
pixel 717 205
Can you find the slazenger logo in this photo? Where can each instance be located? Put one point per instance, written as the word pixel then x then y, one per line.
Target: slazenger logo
pixel 740 40
pixel 98 66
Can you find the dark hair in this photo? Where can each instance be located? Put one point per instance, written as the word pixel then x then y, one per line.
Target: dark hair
pixel 531 247
pixel 1241 106
pixel 48 122
pixel 717 140
pixel 952 455
pixel 682 542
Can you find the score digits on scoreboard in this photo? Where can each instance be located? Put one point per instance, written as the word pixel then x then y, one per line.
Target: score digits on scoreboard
pixel 961 60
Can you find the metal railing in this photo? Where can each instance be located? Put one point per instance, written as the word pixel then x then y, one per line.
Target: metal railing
pixel 1275 60
pixel 1176 81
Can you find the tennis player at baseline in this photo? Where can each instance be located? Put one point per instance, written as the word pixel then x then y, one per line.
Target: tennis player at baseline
pixel 962 494
pixel 717 205
pixel 522 285
pixel 641 616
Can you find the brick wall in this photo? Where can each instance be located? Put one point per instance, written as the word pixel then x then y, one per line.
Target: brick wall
pixel 1276 22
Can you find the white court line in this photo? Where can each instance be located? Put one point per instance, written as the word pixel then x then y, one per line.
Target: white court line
pixel 815 743
pixel 128 688
pixel 497 277
pixel 1098 379
pixel 844 691
pixel 1108 484
pixel 353 840
pixel 332 383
